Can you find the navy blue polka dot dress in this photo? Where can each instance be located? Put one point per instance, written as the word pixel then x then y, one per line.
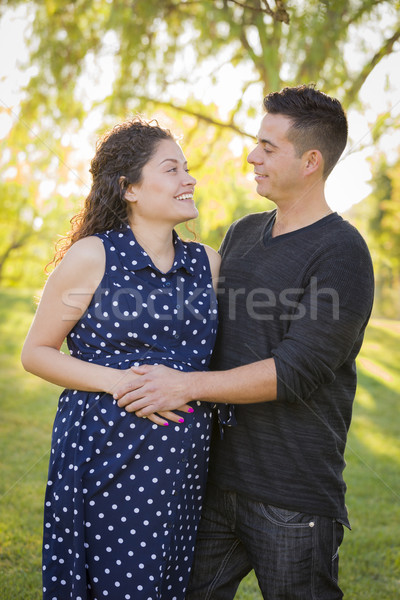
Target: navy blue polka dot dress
pixel 124 495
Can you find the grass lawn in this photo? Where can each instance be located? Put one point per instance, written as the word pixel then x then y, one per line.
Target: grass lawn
pixel 370 553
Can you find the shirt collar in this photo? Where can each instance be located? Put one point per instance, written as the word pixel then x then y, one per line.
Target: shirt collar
pixel 134 257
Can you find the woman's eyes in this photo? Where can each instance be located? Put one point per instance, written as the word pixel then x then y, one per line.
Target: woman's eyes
pixel 175 169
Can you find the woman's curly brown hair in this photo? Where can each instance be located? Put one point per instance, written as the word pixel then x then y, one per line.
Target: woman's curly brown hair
pixel 120 157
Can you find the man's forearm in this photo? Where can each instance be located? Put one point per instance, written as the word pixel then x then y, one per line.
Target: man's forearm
pixel 247 384
pixel 161 388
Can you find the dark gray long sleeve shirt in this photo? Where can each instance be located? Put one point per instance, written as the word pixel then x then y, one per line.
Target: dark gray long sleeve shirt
pixel 303 298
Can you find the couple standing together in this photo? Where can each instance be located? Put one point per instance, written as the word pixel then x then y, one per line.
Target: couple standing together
pixel 141 413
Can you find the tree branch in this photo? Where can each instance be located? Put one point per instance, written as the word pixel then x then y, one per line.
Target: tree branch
pixel 198 115
pixel 280 14
pixel 245 42
pixel 239 103
pixel 359 13
pixel 385 50
pixel 17 242
pixel 253 8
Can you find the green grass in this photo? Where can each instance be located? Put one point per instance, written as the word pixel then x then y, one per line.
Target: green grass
pixel 370 553
pixel 27 407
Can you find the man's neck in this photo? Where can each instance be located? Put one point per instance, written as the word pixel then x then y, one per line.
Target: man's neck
pixel 298 215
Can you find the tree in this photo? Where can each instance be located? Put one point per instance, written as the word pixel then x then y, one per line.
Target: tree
pixel 28 229
pixel 380 221
pixel 101 60
pixel 30 223
pixel 159 51
pixel 18 223
pixel 31 219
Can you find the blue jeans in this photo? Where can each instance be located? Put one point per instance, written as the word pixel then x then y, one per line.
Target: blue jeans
pixel 294 555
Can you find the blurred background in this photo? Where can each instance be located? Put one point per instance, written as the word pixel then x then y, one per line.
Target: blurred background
pixel 71 69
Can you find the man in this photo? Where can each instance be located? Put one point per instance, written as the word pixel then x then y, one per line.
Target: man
pixel 296 294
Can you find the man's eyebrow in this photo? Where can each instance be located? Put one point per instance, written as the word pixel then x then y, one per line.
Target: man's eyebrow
pixel 263 141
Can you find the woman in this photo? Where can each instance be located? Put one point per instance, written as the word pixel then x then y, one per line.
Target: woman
pixel 124 494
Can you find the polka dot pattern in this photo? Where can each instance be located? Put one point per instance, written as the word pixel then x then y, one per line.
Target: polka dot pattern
pixel 124 495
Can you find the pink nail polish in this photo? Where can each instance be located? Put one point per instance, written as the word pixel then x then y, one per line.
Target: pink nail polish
pixel 190 410
pixel 166 423
pixel 181 420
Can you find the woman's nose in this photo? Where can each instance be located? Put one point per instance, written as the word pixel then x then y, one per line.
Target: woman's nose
pixel 190 180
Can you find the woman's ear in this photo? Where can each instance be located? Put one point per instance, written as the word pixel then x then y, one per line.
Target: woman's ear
pixel 127 191
pixel 130 194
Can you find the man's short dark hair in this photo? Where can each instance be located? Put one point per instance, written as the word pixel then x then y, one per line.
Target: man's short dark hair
pixel 318 121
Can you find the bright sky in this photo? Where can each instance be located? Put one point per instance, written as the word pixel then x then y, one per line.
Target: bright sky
pixel 347 184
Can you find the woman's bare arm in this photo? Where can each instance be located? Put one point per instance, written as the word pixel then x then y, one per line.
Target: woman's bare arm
pixel 66 296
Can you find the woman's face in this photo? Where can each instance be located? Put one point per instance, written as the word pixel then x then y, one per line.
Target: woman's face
pixel 165 194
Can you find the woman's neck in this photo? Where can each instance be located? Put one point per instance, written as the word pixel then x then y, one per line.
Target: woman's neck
pixel 157 242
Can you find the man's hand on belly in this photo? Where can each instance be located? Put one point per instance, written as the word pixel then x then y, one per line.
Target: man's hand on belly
pixel 159 389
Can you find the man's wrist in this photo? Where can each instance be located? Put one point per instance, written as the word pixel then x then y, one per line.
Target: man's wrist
pixel 199 387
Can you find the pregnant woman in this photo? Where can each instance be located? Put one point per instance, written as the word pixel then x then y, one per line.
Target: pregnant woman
pixel 124 493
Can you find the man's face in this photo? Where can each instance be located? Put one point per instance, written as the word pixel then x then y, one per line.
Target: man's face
pixel 278 169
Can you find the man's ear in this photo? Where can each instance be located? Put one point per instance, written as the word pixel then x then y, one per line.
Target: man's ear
pixel 313 161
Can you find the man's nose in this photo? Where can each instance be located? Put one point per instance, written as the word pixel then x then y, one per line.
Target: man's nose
pixel 254 157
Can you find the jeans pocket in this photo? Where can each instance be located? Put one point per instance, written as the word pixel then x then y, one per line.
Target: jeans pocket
pixel 338 533
pixel 283 516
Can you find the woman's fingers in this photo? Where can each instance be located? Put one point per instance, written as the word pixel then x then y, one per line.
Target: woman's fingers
pixel 186 408
pixel 172 416
pixel 157 419
pixel 165 417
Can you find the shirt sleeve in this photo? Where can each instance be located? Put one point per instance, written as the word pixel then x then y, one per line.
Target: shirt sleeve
pixel 225 242
pixel 327 324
